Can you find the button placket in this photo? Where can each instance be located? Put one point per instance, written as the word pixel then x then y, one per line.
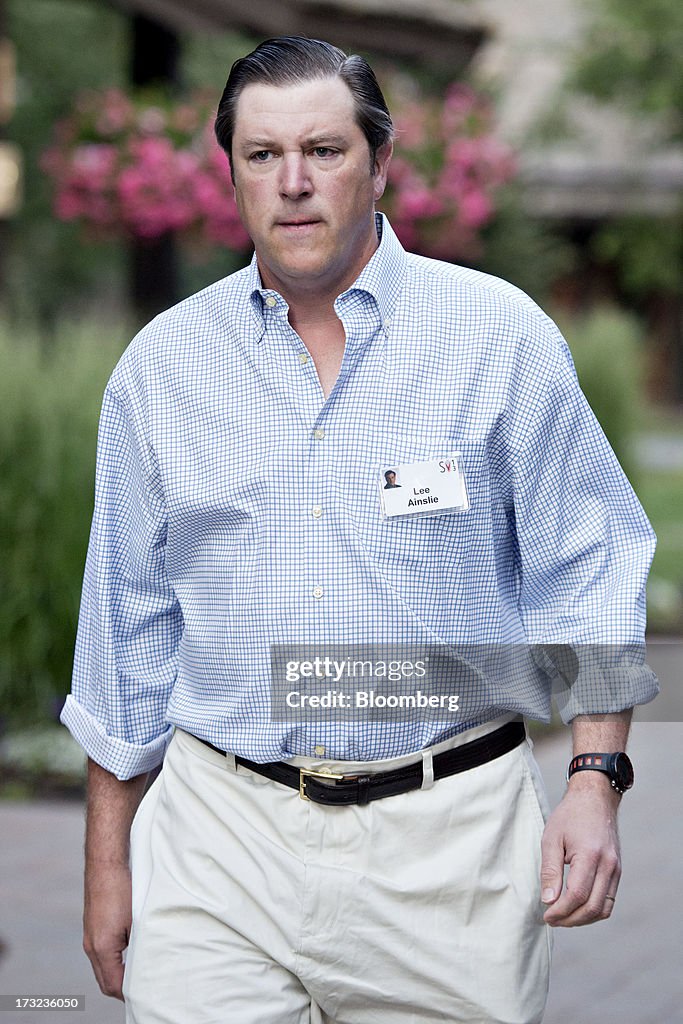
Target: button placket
pixel 318 459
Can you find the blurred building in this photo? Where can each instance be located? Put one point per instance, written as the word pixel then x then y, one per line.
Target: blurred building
pixel 425 31
pixel 596 161
pixel 583 164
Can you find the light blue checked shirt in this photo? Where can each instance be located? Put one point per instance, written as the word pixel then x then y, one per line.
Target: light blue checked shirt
pixel 236 508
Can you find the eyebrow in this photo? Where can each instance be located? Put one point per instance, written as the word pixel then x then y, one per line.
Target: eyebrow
pixel 325 140
pixel 308 143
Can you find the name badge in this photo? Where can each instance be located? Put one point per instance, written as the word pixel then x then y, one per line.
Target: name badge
pixel 424 488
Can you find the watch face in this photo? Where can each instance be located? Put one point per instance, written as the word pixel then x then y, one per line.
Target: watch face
pixel 623 771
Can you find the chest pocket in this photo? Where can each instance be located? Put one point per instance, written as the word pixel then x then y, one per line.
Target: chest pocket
pixel 425 546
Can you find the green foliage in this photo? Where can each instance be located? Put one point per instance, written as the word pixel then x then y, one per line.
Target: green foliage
pixel 49 405
pixel 607 347
pixel 208 57
pixel 662 496
pixel 46 266
pixel 523 250
pixel 633 51
pixel 647 252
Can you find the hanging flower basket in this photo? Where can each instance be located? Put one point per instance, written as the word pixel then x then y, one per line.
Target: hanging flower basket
pixel 142 168
pixel 447 171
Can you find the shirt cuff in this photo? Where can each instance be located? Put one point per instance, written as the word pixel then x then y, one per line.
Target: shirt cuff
pixel 606 693
pixel 122 759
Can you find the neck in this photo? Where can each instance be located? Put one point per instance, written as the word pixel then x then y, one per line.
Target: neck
pixel 307 299
pixel 311 314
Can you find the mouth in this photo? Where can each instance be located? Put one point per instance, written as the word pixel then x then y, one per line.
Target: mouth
pixel 298 224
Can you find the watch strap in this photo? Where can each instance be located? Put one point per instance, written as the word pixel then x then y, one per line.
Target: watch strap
pixel 599 762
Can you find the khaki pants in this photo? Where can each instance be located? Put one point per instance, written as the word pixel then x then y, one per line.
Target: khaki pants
pixel 252 906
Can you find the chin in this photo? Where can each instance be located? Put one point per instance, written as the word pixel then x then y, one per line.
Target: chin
pixel 305 268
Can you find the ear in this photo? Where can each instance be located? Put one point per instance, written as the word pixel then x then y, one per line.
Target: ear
pixel 382 161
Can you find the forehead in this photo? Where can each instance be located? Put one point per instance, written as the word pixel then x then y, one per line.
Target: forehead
pixel 306 108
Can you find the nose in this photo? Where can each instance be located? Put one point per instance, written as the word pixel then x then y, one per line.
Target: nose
pixel 295 182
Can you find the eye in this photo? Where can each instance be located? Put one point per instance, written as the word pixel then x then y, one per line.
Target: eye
pixel 324 152
pixel 260 156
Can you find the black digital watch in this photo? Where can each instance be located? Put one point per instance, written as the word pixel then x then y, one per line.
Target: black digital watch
pixel 617 767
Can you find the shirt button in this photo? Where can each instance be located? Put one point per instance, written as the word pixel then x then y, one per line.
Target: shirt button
pixel 318 433
pixel 317 511
pixel 319 750
pixel 317 592
pixel 271 301
pixel 303 357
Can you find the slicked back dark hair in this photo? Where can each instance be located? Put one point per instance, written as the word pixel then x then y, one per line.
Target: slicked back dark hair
pixel 290 60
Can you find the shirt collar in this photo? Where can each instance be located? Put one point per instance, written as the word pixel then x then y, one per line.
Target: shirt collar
pixel 382 276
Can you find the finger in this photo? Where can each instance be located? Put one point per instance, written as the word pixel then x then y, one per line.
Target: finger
pixel 552 869
pixel 610 895
pixel 578 889
pixel 112 980
pixel 108 969
pixel 596 907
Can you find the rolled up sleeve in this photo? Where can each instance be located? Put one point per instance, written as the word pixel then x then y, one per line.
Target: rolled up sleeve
pixel 130 621
pixel 585 547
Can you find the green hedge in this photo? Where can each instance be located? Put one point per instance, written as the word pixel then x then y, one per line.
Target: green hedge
pixel 608 350
pixel 49 405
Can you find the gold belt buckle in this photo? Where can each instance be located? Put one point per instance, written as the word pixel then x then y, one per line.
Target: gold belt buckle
pixel 304 772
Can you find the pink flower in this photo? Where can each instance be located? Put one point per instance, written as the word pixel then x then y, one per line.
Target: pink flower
pixel 418 204
pixel 155 189
pixel 152 121
pixel 114 113
pixel 69 205
pixel 410 126
pixel 185 119
pixel 216 201
pixel 447 170
pixel 475 208
pixel 93 164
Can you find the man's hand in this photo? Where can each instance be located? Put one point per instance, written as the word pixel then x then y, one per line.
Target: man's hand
pixel 106 923
pixel 581 832
pixel 107 907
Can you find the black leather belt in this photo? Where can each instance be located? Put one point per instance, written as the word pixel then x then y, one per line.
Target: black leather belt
pixel 331 788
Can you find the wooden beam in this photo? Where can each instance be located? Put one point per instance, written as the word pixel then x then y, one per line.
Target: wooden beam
pixel 429 32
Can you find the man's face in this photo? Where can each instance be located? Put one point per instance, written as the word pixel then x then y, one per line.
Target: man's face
pixel 304 186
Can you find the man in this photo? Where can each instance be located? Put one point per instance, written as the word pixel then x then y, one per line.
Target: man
pixel 390 477
pixel 401 880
